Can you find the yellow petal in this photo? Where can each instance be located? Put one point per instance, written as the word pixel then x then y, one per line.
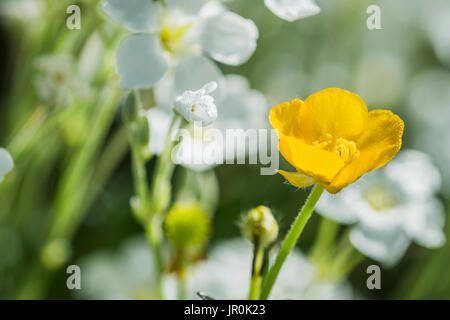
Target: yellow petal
pixel 297 179
pixel 335 112
pixel 313 161
pixel 286 117
pixel 377 146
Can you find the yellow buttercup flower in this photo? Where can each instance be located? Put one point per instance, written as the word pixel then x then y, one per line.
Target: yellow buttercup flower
pixel 332 139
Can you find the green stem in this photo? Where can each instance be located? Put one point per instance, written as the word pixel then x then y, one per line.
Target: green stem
pixel 111 157
pixel 181 289
pixel 154 236
pixel 161 189
pixel 291 239
pixel 256 279
pixel 152 223
pixel 325 239
pixel 154 201
pixel 345 261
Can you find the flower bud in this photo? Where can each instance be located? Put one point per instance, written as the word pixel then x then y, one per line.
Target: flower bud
pixel 260 225
pixel 141 137
pixel 131 107
pixel 187 225
pixel 197 106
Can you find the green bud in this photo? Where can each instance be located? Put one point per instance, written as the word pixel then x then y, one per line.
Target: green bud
pixel 260 225
pixel 141 137
pixel 131 107
pixel 141 131
pixel 187 225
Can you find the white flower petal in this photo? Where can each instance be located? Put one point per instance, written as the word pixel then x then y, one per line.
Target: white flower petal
pixel 197 106
pixel 200 148
pixel 292 10
pixel 186 6
pixel 386 244
pixel 210 9
pixel 136 15
pixel 159 122
pixel 91 57
pixel 6 163
pixel 194 72
pixel 241 107
pixel 141 62
pixel 416 174
pixel 339 207
pixel 229 38
pixel 424 223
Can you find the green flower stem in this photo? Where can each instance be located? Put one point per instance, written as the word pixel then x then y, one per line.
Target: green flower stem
pixel 291 239
pixel 152 202
pixel 181 289
pixel 154 236
pixel 256 279
pixel 113 154
pixel 150 221
pixel 325 239
pixel 161 188
pixel 181 274
pixel 346 260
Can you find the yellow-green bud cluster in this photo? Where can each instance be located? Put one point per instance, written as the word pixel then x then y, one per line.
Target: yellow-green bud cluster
pixel 187 225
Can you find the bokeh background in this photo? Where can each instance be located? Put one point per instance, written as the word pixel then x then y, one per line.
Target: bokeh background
pixel 404 67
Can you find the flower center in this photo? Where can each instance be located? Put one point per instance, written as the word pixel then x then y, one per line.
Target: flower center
pixel 172 33
pixel 345 149
pixel 379 198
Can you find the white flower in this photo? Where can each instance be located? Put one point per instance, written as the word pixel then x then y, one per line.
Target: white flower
pixel 58 82
pixel 128 274
pixel 6 163
pixel 391 207
pixel 241 109
pixel 432 123
pixel 197 106
pixel 165 36
pixel 226 274
pixel 292 10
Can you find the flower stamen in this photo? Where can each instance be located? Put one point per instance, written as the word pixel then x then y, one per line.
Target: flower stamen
pixel 345 149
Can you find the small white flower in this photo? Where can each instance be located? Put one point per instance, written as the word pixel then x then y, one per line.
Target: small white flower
pixel 292 10
pixel 165 36
pixel 57 81
pixel 240 109
pixel 198 106
pixel 6 163
pixel 391 207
